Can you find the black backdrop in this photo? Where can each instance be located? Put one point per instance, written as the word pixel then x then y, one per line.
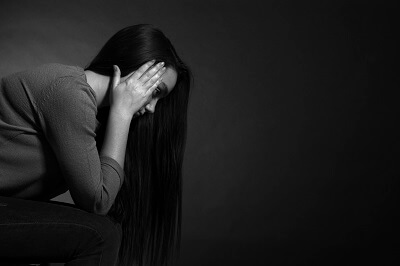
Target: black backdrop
pixel 292 154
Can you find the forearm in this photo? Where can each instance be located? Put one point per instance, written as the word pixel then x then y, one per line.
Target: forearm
pixel 126 98
pixel 116 137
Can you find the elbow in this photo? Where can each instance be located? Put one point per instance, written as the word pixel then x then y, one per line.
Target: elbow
pixel 102 203
pixel 101 211
pixel 101 207
pixel 96 208
pixel 104 196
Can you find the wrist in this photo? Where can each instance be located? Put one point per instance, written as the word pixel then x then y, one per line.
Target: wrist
pixel 120 115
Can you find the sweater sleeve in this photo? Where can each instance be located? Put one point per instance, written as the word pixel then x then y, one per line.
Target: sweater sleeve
pixel 68 118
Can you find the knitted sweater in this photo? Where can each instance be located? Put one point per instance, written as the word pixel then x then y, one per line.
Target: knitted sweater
pixel 47 139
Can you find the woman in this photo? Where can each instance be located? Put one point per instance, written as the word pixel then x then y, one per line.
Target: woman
pixel 112 134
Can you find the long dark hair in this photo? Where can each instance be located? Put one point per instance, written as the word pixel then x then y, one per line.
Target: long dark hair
pixel 149 204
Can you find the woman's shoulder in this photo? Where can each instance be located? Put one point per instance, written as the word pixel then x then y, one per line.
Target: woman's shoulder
pixel 40 81
pixel 42 77
pixel 65 74
pixel 48 71
pixel 64 82
pixel 55 71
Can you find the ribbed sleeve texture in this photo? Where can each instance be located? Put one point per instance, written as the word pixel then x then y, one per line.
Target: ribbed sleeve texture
pixel 61 114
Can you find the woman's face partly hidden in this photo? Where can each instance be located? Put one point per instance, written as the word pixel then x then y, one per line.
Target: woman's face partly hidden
pixel 166 86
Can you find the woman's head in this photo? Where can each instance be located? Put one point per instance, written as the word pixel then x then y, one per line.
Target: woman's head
pixel 149 202
pixel 169 78
pixel 132 47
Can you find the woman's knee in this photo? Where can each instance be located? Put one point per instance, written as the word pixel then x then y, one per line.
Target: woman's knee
pixel 102 239
pixel 108 231
pixel 111 233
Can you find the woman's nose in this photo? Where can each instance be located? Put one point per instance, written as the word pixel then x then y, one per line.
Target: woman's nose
pixel 151 107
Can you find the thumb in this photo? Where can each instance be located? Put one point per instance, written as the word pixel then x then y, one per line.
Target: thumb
pixel 116 76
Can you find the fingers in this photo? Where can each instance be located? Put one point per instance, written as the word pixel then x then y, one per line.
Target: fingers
pixel 137 74
pixel 153 87
pixel 155 77
pixel 149 77
pixel 116 76
pixel 151 72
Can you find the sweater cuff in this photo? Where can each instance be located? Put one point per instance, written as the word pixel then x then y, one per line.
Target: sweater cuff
pixel 114 165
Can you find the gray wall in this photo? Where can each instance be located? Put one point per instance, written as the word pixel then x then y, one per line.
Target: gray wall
pixel 292 153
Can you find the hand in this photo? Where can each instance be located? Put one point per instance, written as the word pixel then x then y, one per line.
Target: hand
pixel 136 91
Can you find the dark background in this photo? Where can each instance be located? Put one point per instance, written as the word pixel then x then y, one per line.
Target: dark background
pixel 292 154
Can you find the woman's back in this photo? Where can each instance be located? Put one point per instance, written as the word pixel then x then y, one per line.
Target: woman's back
pixel 48 116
